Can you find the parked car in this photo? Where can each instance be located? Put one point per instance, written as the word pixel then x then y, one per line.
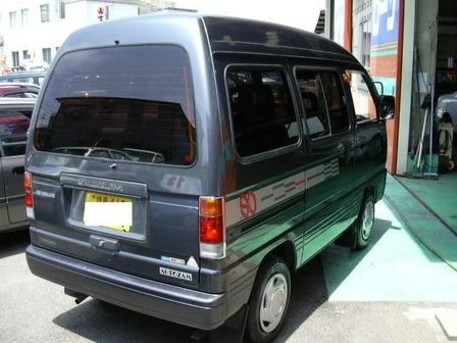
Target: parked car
pixel 446 109
pixel 19 90
pixel 15 116
pixel 99 152
pixel 446 115
pixel 35 77
pixel 243 192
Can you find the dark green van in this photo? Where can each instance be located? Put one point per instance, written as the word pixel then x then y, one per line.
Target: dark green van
pixel 183 166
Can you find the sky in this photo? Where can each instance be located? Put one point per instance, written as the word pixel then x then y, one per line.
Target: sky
pixel 302 14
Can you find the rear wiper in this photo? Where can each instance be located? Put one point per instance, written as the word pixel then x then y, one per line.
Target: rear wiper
pixel 145 155
pixel 126 154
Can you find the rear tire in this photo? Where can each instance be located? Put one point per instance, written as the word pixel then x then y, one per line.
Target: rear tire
pixel 364 223
pixel 269 301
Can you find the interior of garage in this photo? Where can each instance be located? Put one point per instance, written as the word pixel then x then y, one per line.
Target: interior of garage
pixel 432 143
pixel 413 52
pixel 431 174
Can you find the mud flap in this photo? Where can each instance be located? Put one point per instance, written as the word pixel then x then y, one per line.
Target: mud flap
pixel 348 238
pixel 233 329
pixel 231 332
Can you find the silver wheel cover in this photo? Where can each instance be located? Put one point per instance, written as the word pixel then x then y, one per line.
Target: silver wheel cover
pixel 367 220
pixel 273 302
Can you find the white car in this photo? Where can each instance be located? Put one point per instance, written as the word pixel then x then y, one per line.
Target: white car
pixel 446 109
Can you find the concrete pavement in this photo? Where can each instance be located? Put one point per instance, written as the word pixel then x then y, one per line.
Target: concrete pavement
pixel 405 282
pixel 395 267
pixel 394 291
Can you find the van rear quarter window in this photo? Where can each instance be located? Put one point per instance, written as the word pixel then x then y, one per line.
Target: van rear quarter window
pixel 122 103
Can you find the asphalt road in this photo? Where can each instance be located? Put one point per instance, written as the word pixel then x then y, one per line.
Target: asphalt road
pixel 32 309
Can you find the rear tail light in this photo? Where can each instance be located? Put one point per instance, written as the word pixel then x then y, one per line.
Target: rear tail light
pixel 28 195
pixel 212 227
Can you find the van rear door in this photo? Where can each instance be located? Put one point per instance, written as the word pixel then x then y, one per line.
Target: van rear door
pixel 112 172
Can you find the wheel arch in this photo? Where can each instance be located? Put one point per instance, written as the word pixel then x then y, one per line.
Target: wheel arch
pixel 287 252
pixel 370 190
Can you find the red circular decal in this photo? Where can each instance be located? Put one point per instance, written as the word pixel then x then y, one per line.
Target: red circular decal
pixel 248 204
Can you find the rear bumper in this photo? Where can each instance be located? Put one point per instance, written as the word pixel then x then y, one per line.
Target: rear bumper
pixel 176 304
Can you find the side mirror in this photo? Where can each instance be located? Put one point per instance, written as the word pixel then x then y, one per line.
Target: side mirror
pixel 386 107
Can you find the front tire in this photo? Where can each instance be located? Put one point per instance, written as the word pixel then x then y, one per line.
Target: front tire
pixel 364 223
pixel 269 301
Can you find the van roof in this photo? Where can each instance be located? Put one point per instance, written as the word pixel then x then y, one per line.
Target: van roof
pixel 244 35
pixel 225 35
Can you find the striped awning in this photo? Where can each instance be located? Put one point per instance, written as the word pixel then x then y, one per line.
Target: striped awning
pixel 320 25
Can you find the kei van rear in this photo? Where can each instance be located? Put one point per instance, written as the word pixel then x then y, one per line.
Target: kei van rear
pixel 183 166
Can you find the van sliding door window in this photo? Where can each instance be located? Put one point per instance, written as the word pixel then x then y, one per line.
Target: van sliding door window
pixel 130 103
pixel 323 101
pixel 262 112
pixel 364 104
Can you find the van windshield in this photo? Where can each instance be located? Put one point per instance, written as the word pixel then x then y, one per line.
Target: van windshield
pixel 122 103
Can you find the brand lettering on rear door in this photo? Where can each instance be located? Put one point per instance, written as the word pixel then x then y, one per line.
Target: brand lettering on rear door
pixel 106 186
pixel 44 194
pixel 175 274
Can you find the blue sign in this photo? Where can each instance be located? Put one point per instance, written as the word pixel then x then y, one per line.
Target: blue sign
pixel 385 20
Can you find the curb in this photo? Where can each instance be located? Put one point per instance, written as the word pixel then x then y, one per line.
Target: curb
pixel 422 223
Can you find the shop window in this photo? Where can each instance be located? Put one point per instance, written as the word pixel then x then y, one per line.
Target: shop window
pixel 365 43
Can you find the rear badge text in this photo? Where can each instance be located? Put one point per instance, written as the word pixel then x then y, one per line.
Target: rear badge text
pixel 175 274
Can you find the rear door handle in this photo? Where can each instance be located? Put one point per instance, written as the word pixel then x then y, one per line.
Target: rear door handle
pixel 18 170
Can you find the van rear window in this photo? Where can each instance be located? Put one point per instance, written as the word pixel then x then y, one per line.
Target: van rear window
pixel 122 103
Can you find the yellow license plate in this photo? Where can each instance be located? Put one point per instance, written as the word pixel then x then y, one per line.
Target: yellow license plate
pixel 106 210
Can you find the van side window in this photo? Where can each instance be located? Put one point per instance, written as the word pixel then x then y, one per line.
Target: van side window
pixel 263 115
pixel 364 104
pixel 14 124
pixel 323 100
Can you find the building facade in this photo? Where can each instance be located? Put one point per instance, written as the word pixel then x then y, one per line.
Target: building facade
pixel 407 45
pixel 31 31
